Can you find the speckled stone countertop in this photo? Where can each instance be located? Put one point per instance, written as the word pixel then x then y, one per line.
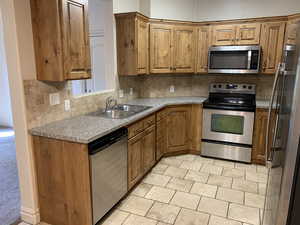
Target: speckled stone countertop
pixel 86 128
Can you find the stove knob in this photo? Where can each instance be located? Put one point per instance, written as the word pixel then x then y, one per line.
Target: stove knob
pixel 249 87
pixel 215 86
pixel 244 86
pixel 220 86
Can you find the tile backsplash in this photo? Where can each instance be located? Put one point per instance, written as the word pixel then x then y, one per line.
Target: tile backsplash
pixel 40 112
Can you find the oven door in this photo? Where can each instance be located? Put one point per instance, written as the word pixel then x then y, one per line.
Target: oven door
pixel 228 126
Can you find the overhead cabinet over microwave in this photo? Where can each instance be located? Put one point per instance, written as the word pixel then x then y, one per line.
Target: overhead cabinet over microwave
pixel 234 59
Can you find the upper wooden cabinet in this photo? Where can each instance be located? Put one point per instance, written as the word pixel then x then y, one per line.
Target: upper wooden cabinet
pixel 171 48
pixel 236 34
pixel 132 44
pixel 61 39
pixel 291 30
pixel 272 38
pixel 203 43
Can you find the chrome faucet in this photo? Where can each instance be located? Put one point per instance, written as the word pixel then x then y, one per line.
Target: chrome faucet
pixel 109 102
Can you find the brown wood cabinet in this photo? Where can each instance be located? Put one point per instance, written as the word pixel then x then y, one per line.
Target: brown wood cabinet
pixel 171 48
pixel 196 127
pixel 203 44
pixel 272 38
pixel 141 149
pixel 161 133
pixel 132 44
pixel 236 34
pixel 64 192
pixel 291 29
pixel 259 137
pixel 178 128
pixel 62 48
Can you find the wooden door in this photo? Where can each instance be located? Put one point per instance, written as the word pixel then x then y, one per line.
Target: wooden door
pixel 142 47
pixel 203 44
pixel 259 137
pixel 77 59
pixel 161 39
pixel 135 160
pixel 184 50
pixel 248 34
pixel 196 127
pixel 224 34
pixel 291 30
pixel 161 138
pixel 149 143
pixel 272 37
pixel 178 128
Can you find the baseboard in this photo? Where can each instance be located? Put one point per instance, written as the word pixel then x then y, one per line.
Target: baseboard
pixel 30 216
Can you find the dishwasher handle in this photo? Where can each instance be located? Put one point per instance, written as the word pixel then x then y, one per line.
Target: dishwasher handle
pixel 107 140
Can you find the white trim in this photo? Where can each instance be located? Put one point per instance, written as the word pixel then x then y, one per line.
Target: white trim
pixel 30 216
pixel 95 93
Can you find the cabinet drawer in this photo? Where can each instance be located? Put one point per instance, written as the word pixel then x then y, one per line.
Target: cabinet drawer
pixel 149 121
pixel 161 114
pixel 135 129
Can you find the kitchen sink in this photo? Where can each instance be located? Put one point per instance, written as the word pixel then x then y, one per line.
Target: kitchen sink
pixel 120 111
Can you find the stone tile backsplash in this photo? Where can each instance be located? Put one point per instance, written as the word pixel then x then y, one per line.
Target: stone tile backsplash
pixel 39 111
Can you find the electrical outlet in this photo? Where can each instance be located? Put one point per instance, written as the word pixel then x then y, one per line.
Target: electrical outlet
pixel 121 93
pixel 54 99
pixel 172 89
pixel 131 91
pixel 67 105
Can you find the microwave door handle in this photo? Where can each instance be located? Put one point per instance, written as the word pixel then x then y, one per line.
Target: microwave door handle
pixel 268 160
pixel 249 59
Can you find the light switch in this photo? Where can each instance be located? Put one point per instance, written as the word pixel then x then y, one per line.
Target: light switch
pixel 172 89
pixel 67 105
pixel 54 99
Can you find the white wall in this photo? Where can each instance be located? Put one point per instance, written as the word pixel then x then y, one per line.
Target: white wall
pixel 201 10
pixel 5 105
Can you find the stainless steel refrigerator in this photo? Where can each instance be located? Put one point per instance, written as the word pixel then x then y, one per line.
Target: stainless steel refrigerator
pixel 282 204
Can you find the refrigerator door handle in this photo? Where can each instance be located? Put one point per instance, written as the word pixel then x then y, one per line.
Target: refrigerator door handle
pixel 267 158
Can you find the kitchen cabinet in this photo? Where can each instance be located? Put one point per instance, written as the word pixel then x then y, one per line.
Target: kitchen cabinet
pixel 178 128
pixel 171 48
pixel 63 181
pixel 291 29
pixel 132 44
pixel 236 34
pixel 203 44
pixel 141 149
pixel 161 133
pixel 272 38
pixel 259 136
pixel 61 44
pixel 196 128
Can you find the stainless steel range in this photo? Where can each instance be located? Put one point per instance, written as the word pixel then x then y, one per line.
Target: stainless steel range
pixel 228 120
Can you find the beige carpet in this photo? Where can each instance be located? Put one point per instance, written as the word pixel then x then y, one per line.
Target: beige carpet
pixel 9 186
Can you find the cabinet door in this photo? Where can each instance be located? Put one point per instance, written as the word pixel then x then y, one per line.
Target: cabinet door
pixel 178 128
pixel 160 48
pixel 77 59
pixel 291 30
pixel 272 37
pixel 135 160
pixel 203 44
pixel 149 143
pixel 161 138
pixel 248 34
pixel 184 51
pixel 142 47
pixel 224 34
pixel 260 132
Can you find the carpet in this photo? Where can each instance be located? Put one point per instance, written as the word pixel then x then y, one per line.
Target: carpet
pixel 9 183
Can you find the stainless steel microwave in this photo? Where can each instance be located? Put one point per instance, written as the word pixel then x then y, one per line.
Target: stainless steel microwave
pixel 234 59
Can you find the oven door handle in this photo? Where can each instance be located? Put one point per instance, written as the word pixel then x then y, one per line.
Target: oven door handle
pixel 267 157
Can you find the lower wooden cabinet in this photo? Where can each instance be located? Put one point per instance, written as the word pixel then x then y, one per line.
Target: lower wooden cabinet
pixel 178 128
pixel 259 137
pixel 141 150
pixel 161 133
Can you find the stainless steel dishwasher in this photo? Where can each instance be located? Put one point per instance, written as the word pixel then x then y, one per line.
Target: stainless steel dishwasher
pixel 108 166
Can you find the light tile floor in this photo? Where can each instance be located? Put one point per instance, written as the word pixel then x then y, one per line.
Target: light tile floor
pixel 192 190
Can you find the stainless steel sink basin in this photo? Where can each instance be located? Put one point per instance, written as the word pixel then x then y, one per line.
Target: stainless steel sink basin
pixel 121 111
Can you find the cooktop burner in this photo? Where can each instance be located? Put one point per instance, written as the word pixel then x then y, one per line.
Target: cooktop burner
pixel 238 97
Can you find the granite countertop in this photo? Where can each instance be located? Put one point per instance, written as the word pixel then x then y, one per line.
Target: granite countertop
pixel 86 128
